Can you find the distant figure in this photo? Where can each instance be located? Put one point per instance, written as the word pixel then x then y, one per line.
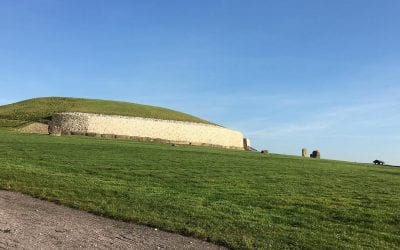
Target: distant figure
pixel 315 154
pixel 378 162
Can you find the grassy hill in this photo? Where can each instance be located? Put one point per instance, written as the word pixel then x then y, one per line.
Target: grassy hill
pixel 40 109
pixel 234 198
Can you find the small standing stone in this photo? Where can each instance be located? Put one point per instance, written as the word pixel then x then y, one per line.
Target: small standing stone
pixel 304 152
pixel 315 154
pixel 246 143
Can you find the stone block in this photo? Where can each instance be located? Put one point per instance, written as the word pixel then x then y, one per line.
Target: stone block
pixel 304 152
pixel 315 154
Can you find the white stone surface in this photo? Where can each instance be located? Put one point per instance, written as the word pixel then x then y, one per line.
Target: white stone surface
pixel 175 131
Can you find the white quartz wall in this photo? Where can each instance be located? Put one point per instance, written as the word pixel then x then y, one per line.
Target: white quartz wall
pixel 175 131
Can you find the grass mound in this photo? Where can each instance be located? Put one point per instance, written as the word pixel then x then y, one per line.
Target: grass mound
pixel 39 109
pixel 235 198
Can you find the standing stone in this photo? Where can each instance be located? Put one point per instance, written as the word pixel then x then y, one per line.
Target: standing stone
pixel 304 152
pixel 246 143
pixel 315 154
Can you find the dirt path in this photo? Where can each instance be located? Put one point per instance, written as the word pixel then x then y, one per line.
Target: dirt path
pixel 28 223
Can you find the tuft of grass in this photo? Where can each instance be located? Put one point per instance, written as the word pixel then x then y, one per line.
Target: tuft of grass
pixel 39 109
pixel 239 199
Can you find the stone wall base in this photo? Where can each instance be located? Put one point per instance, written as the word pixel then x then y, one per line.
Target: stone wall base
pixel 143 139
pixel 138 128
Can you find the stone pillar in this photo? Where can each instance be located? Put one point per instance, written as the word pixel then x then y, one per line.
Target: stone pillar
pixel 304 152
pixel 246 143
pixel 315 154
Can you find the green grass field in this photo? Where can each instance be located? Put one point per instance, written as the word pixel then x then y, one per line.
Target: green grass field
pixel 234 198
pixel 39 109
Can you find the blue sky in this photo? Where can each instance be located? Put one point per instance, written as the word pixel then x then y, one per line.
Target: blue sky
pixel 288 74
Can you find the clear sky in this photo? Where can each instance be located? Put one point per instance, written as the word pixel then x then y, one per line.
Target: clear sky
pixel 288 74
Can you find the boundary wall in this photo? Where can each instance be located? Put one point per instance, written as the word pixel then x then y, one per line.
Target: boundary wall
pixel 148 129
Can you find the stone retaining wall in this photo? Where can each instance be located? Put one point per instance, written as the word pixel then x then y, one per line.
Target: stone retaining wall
pixel 145 129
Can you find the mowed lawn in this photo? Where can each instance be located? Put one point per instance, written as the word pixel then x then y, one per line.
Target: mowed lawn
pixel 233 198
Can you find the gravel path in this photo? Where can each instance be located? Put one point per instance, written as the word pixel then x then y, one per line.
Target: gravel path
pixel 29 223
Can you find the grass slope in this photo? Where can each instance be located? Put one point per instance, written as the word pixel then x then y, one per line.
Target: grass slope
pixel 37 109
pixel 238 199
